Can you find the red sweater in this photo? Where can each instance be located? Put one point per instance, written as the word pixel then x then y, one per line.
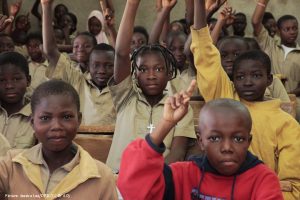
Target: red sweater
pixel 143 175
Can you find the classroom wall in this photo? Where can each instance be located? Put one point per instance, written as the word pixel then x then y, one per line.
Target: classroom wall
pixel 146 13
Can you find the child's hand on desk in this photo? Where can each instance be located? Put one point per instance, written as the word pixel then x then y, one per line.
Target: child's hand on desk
pixel 176 106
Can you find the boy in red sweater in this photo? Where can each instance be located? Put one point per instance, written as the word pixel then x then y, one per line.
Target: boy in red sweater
pixel 227 170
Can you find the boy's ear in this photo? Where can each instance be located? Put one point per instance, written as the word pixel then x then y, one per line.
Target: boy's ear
pixel 199 140
pixel 250 139
pixel 270 79
pixel 31 120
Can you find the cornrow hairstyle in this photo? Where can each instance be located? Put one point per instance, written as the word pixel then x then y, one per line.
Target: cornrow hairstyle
pixel 169 58
pixel 54 87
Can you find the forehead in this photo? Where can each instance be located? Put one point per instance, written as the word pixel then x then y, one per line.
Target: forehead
pixel 289 22
pixel 102 56
pixel 11 68
pixel 232 43
pixel 34 41
pixel 250 66
pixel 94 20
pixel 83 39
pixel 224 120
pixel 139 36
pixel 176 39
pixel 64 101
pixel 150 57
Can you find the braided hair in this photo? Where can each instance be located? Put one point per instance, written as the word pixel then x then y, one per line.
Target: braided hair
pixel 170 61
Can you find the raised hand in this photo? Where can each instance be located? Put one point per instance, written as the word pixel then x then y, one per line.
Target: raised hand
pixel 168 3
pixel 214 7
pixel 15 8
pixel 227 15
pixel 177 106
pixel 5 21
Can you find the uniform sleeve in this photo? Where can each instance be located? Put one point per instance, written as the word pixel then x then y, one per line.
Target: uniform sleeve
pixel 265 41
pixel 5 169
pixel 141 172
pixel 66 70
pixel 121 92
pixel 268 188
pixel 4 145
pixel 288 158
pixel 108 185
pixel 212 80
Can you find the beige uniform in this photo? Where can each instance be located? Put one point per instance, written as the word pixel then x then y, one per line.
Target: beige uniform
pixel 4 145
pixel 136 118
pixel 17 128
pixel 96 106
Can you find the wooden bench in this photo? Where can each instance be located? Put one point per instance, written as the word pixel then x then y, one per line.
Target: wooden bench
pixel 96 140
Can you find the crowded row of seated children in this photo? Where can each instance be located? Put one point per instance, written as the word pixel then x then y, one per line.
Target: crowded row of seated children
pixel 53 82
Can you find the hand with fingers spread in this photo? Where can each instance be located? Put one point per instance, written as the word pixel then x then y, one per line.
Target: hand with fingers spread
pixel 176 106
pixel 214 7
pixel 227 16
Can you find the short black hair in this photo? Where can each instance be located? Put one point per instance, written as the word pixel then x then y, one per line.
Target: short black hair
pixel 252 43
pixel 267 16
pixel 169 58
pixel 60 5
pixel 34 36
pixel 103 47
pixel 54 87
pixel 15 59
pixel 88 34
pixel 241 14
pixel 257 55
pixel 285 18
pixel 232 37
pixel 141 30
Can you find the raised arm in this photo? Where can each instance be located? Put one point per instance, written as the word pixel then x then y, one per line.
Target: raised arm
pixel 162 16
pixel 35 10
pixel 122 67
pixel 49 44
pixel 199 14
pixel 258 16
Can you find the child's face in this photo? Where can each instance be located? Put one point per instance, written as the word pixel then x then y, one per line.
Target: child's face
pixel 152 74
pixel 177 48
pixel 288 32
pixel 82 48
pixel 251 79
pixel 230 49
pixel 34 50
pixel 55 122
pixel 101 67
pixel 6 44
pixel 138 39
pixel 225 138
pixel 271 27
pixel 95 26
pixel 65 21
pixel 13 84
pixel 239 24
pixel 60 11
pixel 22 23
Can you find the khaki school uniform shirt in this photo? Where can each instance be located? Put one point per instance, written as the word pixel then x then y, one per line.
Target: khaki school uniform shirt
pixel 4 145
pixel 136 118
pixel 289 66
pixel 277 90
pixel 96 106
pixel 37 72
pixel 17 128
pixel 50 181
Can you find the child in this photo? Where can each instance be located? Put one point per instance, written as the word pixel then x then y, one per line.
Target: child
pixel 139 38
pixel 37 61
pixel 239 25
pixel 233 46
pixel 15 108
pixel 276 135
pixel 269 23
pixel 227 171
pixel 95 98
pixel 56 167
pixel 139 103
pixel 285 56
pixel 96 26
pixel 6 43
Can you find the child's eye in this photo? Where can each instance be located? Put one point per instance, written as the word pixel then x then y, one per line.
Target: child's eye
pixel 239 139
pixel 159 69
pixel 223 55
pixel 44 118
pixel 67 117
pixel 240 77
pixel 236 54
pixel 214 138
pixel 257 75
pixel 141 69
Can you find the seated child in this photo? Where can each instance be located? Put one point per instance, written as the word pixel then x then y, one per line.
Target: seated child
pixel 139 102
pixel 284 53
pixel 6 43
pixel 37 61
pixel 55 166
pixel 15 108
pixel 276 135
pixel 230 48
pixel 95 98
pixel 226 171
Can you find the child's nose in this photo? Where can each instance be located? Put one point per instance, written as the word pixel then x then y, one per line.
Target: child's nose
pixel 226 146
